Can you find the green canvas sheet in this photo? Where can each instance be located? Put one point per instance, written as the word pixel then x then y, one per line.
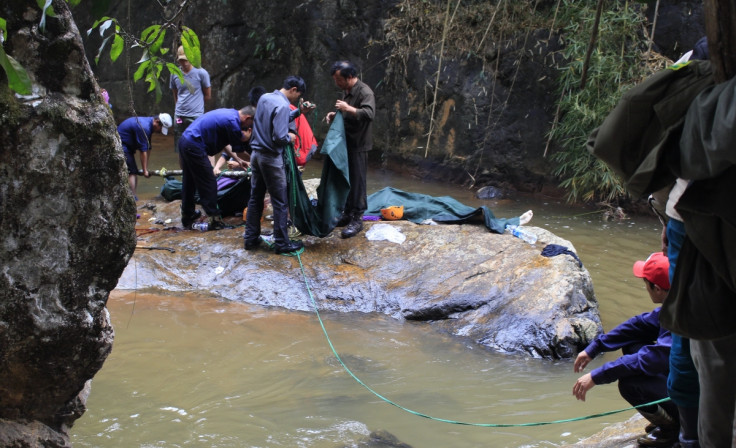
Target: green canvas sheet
pixel 333 188
pixel 445 209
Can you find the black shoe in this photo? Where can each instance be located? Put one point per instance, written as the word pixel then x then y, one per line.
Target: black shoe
pixel 660 437
pixel 252 245
pixel 343 220
pixel 187 221
pixel 353 228
pixel 216 223
pixel 293 246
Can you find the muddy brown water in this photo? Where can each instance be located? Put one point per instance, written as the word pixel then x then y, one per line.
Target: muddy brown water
pixel 193 371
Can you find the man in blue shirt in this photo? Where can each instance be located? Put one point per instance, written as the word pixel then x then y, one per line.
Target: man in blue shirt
pixel 269 139
pixel 642 370
pixel 135 135
pixel 215 131
pixel 189 96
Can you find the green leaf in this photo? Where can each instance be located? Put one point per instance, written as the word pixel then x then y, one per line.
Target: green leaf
pixel 104 26
pixel 3 28
pixel 73 3
pixel 149 33
pixel 156 47
pixel 118 44
pixel 190 42
pixel 18 79
pixel 102 47
pixel 141 71
pixel 47 10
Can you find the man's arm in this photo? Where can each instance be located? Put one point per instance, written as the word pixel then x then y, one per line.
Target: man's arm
pixel 144 163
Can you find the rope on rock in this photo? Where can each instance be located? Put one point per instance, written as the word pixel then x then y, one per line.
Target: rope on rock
pixel 443 420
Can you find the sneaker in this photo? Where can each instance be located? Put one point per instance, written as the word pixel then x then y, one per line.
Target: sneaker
pixel 187 221
pixel 353 228
pixel 291 247
pixel 216 223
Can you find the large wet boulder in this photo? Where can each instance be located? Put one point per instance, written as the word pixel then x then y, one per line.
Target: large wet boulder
pixel 67 219
pixel 495 290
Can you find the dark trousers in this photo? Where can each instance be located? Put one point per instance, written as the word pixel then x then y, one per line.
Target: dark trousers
pixel 357 201
pixel 267 174
pixel 638 390
pixel 179 128
pixel 197 175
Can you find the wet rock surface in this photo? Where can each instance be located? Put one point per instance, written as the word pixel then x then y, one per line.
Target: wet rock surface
pixel 495 290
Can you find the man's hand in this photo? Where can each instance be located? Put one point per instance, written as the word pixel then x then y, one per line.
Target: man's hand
pixel 581 361
pixel 330 117
pixel 342 106
pixel 582 386
pixel 292 137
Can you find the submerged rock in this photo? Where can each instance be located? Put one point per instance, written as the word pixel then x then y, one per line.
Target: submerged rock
pixel 495 290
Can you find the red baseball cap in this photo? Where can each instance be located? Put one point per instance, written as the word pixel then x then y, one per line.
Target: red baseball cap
pixel 656 269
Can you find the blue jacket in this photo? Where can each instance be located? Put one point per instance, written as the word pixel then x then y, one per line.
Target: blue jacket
pixel 213 131
pixel 652 359
pixel 135 134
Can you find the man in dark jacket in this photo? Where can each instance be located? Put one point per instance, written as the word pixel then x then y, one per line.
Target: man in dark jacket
pixel 642 370
pixel 358 107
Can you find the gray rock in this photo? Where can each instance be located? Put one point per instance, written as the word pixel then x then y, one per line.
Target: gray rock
pixel 495 290
pixel 67 217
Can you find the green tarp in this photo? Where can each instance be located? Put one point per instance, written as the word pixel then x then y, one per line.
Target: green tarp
pixel 333 188
pixel 419 207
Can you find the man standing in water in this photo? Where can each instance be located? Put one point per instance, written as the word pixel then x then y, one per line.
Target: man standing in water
pixel 135 135
pixel 642 370
pixel 358 107
pixel 189 96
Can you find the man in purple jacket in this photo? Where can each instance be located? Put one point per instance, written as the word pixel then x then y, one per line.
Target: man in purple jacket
pixel 642 370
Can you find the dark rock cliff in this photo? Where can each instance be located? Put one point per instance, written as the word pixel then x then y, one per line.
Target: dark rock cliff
pixel 492 106
pixel 68 229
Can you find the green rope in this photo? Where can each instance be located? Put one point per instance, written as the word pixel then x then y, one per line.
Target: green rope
pixel 454 422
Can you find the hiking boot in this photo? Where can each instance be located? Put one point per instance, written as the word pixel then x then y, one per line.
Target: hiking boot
pixel 343 220
pixel 665 434
pixel 252 245
pixel 216 223
pixel 292 246
pixel 352 229
pixel 660 437
pixel 187 221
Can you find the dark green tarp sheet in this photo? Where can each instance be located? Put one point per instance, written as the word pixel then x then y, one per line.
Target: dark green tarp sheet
pixel 419 207
pixel 333 187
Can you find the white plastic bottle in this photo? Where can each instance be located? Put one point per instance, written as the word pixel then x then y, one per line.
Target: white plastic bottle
pixel 522 233
pixel 201 226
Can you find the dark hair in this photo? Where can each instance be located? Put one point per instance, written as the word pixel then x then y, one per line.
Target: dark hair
pixel 295 81
pixel 255 94
pixel 346 69
pixel 248 110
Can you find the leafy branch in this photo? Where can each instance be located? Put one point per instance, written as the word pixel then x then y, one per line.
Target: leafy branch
pixel 153 60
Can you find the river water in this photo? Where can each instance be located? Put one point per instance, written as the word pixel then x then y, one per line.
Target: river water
pixel 191 371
